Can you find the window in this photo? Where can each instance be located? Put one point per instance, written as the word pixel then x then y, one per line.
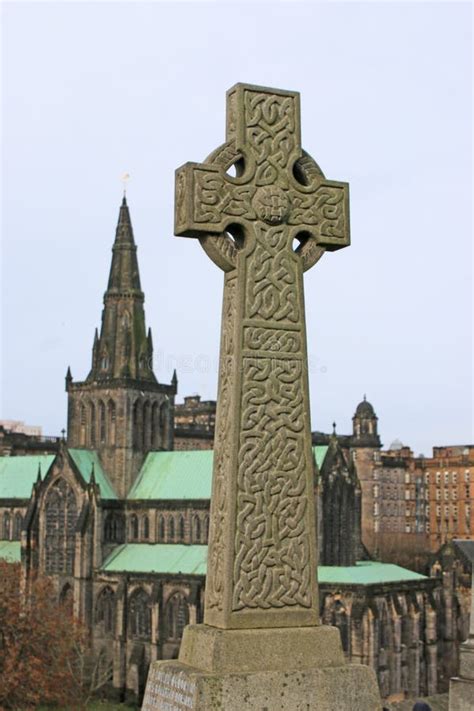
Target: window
pixel 181 528
pixel 171 528
pixel 102 422
pixel 407 477
pixel 139 615
pixel 161 528
pixel 376 509
pixel 112 419
pixel 197 529
pixel 206 528
pixel 427 510
pixel 61 517
pixel 427 477
pixel 105 610
pixel 176 616
pixel 133 527
pixel 427 527
pixel 17 526
pixel 375 491
pixel 114 528
pixel 454 494
pixel 446 512
pixel 446 477
pixel 6 526
pixel 455 477
pixel 407 495
pixel 407 528
pixel 438 494
pixel 467 477
pixel 438 478
pixel 146 527
pixel 438 510
pixel 446 494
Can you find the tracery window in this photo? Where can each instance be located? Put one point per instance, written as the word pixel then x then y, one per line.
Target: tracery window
pixel 60 518
pixel 105 610
pixel 176 616
pixel 17 526
pixel 139 618
pixel 6 526
pixel 114 528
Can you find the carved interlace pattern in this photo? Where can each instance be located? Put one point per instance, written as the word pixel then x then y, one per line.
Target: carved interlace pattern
pixel 272 551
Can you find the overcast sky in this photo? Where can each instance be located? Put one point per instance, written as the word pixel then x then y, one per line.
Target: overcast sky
pixel 91 90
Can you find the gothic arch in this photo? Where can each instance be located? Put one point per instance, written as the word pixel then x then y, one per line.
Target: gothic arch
pixel 60 522
pixel 17 526
pixel 114 527
pixel 155 425
pixel 182 529
pixel 160 529
pixel 6 526
pixel 102 423
pixel 176 616
pixel 146 425
pixel 105 610
pixel 112 419
pixel 93 425
pixel 197 529
pixel 171 529
pixel 134 527
pixel 139 616
pixel 146 527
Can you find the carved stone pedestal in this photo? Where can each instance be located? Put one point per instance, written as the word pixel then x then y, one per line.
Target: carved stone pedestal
pixel 282 669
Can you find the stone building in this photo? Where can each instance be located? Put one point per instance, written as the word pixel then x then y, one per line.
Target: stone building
pixel 194 423
pixel 119 520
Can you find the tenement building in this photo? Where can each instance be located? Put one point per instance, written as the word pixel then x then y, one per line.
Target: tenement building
pixel 118 518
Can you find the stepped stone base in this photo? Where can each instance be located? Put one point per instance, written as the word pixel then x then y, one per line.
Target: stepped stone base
pixel 280 669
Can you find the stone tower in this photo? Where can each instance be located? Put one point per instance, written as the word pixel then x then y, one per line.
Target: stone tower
pixel 365 444
pixel 120 409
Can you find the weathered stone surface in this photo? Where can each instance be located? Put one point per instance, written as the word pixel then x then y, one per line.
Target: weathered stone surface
pixel 461 694
pixel 175 687
pixel 214 650
pixel 262 546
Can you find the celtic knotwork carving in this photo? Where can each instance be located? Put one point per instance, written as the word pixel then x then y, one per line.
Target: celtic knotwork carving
pixel 215 197
pixel 271 277
pixel 272 339
pixel 223 446
pixel 271 543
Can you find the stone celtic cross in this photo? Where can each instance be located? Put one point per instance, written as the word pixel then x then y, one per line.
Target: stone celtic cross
pixel 263 226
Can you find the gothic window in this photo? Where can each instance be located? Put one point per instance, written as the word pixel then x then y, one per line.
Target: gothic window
pixel 171 529
pixel 102 421
pixel 112 419
pixel 105 610
pixel 206 528
pixel 146 426
pixel 114 528
pixel 104 361
pixel 139 616
pixel 92 425
pixel 164 423
pixel 17 526
pixel 60 518
pixel 176 616
pixel 133 527
pixel 6 526
pixel 146 527
pixel 161 528
pixel 197 529
pixel 66 600
pixel 136 423
pixel 181 528
pixel 83 424
pixel 155 425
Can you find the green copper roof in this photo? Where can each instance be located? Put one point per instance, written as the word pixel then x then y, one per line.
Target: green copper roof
pixel 18 474
pixel 182 475
pixel 192 560
pixel 84 459
pixel 366 573
pixel 157 558
pixel 174 475
pixel 11 551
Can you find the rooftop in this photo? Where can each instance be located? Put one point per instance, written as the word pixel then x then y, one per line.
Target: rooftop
pixel 11 551
pixel 18 474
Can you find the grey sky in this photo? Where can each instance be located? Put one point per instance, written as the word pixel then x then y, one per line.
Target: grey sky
pixel 93 90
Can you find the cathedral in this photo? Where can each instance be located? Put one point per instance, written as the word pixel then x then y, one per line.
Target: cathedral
pixel 118 517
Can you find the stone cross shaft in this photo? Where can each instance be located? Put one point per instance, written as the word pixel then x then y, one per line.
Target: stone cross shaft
pixel 263 226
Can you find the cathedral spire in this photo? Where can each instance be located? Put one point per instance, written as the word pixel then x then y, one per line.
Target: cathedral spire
pixel 122 350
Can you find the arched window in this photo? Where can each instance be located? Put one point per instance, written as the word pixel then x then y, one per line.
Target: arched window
pixel 160 528
pixel 83 424
pixel 17 526
pixel 112 418
pixel 139 614
pixel 61 518
pixel 92 435
pixel 164 424
pixel 171 530
pixel 146 527
pixel 206 528
pixel 197 529
pixel 182 527
pixel 133 527
pixel 6 526
pixel 146 426
pixel 136 424
pixel 155 425
pixel 114 528
pixel 66 600
pixel 176 617
pixel 102 421
pixel 105 610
